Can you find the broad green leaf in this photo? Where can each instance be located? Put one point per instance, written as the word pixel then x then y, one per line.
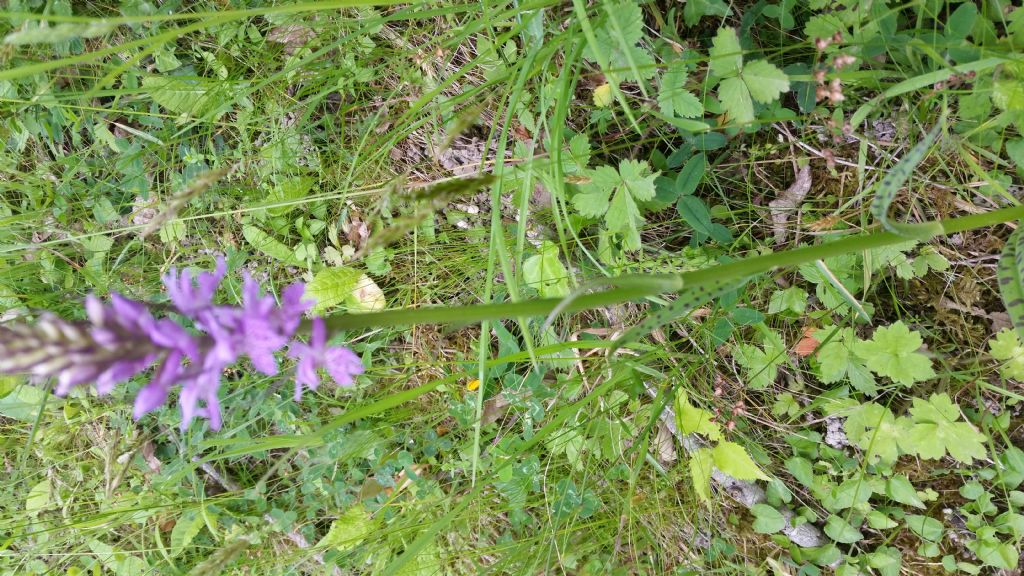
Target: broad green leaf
pixel 767 520
pixel 349 529
pixel 994 553
pixel 926 527
pixel 545 272
pixel 270 246
pixel 603 96
pixel 726 53
pixel 636 178
pixel 691 174
pixel 792 299
pixel 700 465
pixel 886 560
pixel 879 521
pixel 694 10
pixel 937 430
pixel 736 100
pixel 23 404
pixel 288 193
pixel 674 99
pixel 901 490
pixel 764 81
pixel 842 531
pixel 697 215
pixel 732 459
pixel 623 218
pixel 801 469
pixel 893 352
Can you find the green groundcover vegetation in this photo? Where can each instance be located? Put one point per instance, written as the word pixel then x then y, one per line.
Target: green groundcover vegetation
pixel 596 287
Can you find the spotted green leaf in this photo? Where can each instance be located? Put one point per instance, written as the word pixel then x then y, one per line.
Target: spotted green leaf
pixel 894 180
pixel 1011 278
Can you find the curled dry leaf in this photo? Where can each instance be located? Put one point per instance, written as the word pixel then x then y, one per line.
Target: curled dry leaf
pixel 782 206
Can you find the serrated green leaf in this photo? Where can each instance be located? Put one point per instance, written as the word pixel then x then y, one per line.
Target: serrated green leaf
pixel 1007 348
pixel 725 53
pixel 732 459
pixel 937 430
pixel 185 530
pixel 736 100
pixel 693 420
pixel 545 272
pixel 893 352
pixel 764 81
pixel 349 529
pixel 674 99
pixel 191 96
pixel 341 284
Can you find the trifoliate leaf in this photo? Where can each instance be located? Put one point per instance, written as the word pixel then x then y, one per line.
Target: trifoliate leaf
pixel 937 430
pixel 765 82
pixel 792 299
pixel 736 100
pixel 674 99
pixel 1006 347
pixel 767 520
pixel 726 53
pixel 892 352
pixel 625 187
pixel 636 179
pixel 837 362
pixel 762 363
pixel 732 459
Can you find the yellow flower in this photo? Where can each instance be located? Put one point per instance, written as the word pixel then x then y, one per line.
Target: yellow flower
pixel 472 385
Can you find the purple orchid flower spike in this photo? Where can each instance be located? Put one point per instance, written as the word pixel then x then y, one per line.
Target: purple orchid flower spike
pixel 122 339
pixel 341 363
